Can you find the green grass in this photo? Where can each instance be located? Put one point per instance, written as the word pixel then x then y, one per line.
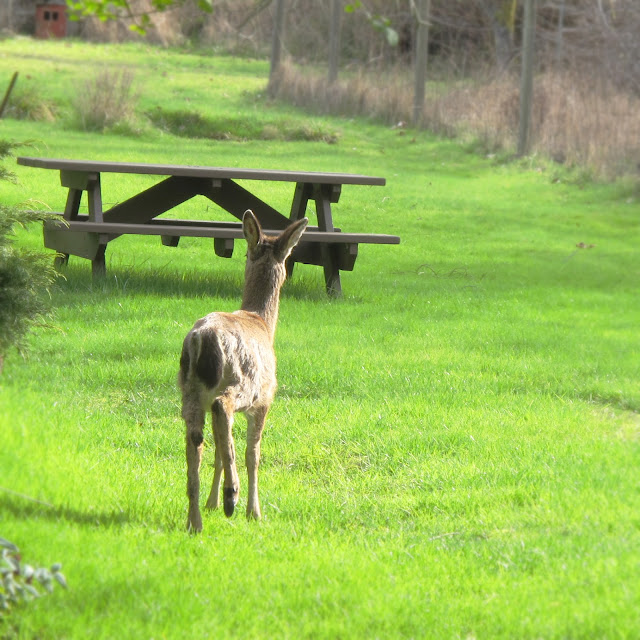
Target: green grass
pixel 454 448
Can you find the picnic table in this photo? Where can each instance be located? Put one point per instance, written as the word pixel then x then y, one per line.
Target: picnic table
pixel 87 235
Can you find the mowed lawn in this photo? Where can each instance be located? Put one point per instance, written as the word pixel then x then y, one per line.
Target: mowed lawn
pixel 454 448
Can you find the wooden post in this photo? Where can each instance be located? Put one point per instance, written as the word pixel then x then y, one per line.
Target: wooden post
pixel 276 44
pixel 334 40
pixel 526 77
pixel 421 58
pixel 7 94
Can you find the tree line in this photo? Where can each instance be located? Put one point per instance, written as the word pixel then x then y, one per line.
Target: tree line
pixel 465 37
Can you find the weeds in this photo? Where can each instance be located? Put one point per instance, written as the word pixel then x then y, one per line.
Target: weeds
pixel 108 99
pixel 27 103
pixel 192 124
pixel 358 95
pixel 575 122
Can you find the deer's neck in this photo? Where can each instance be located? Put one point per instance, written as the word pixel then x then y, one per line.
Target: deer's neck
pixel 262 296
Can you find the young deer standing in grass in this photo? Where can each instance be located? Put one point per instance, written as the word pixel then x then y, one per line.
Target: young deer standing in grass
pixel 228 364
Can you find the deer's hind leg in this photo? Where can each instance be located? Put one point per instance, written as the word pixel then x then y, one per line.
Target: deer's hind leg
pixel 223 409
pixel 194 419
pixel 214 497
pixel 255 425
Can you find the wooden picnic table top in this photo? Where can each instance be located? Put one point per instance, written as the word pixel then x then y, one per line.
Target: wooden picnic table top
pixel 232 173
pixel 87 235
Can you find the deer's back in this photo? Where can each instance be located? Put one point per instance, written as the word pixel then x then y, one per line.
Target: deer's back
pixel 230 354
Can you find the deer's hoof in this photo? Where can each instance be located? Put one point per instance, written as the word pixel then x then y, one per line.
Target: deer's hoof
pixel 194 526
pixel 230 501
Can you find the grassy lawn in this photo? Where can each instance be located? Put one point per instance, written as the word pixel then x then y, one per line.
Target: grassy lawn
pixel 454 448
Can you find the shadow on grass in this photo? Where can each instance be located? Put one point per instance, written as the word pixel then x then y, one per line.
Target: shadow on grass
pixel 26 507
pixel 77 279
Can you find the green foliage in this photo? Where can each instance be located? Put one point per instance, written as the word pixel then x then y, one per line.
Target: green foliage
pixel 19 580
pixel 25 278
pixel 25 275
pixel 116 9
pixel 6 149
pixel 378 22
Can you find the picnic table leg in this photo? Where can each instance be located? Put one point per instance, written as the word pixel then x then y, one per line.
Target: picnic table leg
pixel 301 197
pixel 331 271
pixel 289 265
pixel 71 209
pixel 324 195
pixel 78 182
pixel 98 264
pixel 73 204
pixel 94 199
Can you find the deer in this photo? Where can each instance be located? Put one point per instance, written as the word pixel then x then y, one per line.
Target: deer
pixel 228 365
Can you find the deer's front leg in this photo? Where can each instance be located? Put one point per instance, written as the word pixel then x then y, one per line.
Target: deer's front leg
pixel 255 425
pixel 194 418
pixel 223 424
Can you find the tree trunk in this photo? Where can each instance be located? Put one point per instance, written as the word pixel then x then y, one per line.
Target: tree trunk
pixel 559 54
pixel 421 59
pixel 334 40
pixel 526 78
pixel 276 45
pixel 501 17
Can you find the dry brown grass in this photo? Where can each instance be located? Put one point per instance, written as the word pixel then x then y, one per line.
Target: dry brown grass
pixel 386 101
pixel 106 99
pixel 575 121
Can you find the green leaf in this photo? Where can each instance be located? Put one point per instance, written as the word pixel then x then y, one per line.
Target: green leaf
pixel 12 562
pixel 8 545
pixel 61 580
pixel 27 572
pixel 136 28
pixel 205 5
pixel 10 588
pixel 392 36
pixel 32 590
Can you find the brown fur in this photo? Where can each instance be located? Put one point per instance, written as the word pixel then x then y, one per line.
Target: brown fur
pixel 228 365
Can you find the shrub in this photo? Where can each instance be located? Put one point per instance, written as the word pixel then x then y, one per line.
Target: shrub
pixel 26 103
pixel 107 99
pixel 25 276
pixel 18 580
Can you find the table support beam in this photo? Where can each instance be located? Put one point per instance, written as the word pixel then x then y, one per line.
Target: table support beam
pixel 155 200
pixel 236 200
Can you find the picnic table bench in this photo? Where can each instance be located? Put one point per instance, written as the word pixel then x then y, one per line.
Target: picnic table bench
pixel 87 235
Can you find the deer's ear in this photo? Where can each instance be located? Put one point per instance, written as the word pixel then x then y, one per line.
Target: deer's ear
pixel 251 229
pixel 289 238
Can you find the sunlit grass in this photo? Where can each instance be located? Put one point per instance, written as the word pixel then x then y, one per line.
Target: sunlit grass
pixel 454 447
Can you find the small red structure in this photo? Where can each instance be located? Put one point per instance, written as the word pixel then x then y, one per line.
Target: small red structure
pixel 51 20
